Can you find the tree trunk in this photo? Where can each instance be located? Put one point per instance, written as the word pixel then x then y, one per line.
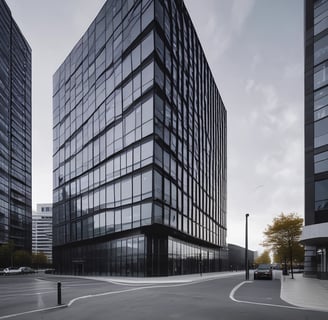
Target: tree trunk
pixel 291 259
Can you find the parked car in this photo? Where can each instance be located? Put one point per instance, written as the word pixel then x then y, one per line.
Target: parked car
pixel 1 272
pixel 10 271
pixel 50 271
pixel 26 270
pixel 263 271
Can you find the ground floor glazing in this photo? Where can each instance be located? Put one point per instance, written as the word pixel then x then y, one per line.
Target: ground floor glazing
pixel 139 255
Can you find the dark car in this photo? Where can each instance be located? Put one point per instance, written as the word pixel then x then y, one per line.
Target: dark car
pixel 26 270
pixel 263 271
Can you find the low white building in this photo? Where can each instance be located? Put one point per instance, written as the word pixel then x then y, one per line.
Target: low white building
pixel 42 230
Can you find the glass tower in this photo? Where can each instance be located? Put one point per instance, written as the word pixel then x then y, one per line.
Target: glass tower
pixel 15 134
pixel 139 148
pixel 315 232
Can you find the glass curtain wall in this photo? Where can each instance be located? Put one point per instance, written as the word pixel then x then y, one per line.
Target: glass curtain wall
pixel 139 141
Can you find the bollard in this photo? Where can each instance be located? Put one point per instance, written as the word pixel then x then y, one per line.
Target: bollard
pixel 59 293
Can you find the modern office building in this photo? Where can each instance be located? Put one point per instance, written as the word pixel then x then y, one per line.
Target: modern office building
pixel 42 230
pixel 315 232
pixel 139 148
pixel 237 258
pixel 15 134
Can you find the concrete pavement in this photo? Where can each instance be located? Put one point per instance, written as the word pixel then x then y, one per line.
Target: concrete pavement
pixel 309 293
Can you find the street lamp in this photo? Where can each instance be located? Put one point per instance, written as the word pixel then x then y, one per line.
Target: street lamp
pixel 246 247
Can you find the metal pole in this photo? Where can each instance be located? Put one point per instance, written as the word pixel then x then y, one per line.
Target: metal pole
pixel 59 293
pixel 246 248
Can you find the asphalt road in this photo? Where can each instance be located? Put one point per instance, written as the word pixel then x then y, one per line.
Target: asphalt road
pixel 224 298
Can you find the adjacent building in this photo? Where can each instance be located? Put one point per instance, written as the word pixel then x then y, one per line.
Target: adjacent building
pixel 42 230
pixel 315 232
pixel 15 134
pixel 237 258
pixel 139 163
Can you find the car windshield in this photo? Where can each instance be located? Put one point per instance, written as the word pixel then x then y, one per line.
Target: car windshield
pixel 264 267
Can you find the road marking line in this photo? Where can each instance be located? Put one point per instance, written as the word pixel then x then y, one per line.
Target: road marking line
pixel 232 297
pixel 130 282
pixel 114 292
pixel 143 288
pixel 31 311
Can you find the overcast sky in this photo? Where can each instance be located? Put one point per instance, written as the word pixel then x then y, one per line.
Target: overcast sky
pixel 255 51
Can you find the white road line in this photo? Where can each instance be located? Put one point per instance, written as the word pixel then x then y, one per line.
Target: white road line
pixel 116 292
pixel 143 288
pixel 232 297
pixel 99 295
pixel 31 311
pixel 131 282
pixel 104 294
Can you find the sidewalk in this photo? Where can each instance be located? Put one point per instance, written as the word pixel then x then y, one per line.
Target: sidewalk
pixel 309 293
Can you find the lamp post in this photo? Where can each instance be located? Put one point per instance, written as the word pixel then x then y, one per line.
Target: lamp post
pixel 246 247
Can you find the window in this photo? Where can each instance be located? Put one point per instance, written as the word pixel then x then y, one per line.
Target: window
pixel 102 223
pixel 85 205
pixel 127 66
pixel 96 199
pixel 110 221
pixel 147 110
pixel 126 218
pixel 321 195
pixel 96 225
pixel 147 185
pixel 129 122
pixel 147 152
pixel 102 197
pixel 136 216
pixel 173 219
pixel 167 191
pixel 321 50
pixel 147 76
pixel 321 162
pixel 110 195
pixel 158 185
pixel 147 46
pixel 109 170
pixel 321 113
pixel 147 116
pixel 147 16
pixel 118 193
pixel 136 86
pixel 126 190
pixel 127 95
pixel 321 133
pixel 166 215
pixel 137 187
pixel 136 58
pixel 320 16
pixel 146 213
pixel 118 226
pixel 320 75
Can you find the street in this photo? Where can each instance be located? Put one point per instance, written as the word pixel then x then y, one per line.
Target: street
pixel 228 297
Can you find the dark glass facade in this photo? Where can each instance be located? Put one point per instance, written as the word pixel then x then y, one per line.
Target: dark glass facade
pixel 315 232
pixel 15 134
pixel 139 148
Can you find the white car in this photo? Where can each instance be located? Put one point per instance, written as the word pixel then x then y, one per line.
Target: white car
pixel 10 270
